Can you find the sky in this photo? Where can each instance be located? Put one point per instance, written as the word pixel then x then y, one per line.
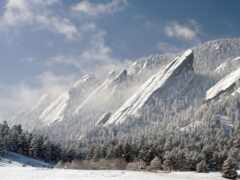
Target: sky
pixel 47 44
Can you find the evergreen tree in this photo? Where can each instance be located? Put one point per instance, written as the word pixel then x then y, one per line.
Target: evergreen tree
pixel 156 164
pixel 168 165
pixel 229 169
pixel 14 139
pixel 2 147
pixel 36 149
pixel 202 167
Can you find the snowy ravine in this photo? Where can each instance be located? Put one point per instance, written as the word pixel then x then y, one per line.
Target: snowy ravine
pixel 18 173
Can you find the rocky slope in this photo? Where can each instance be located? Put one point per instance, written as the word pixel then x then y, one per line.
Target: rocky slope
pixel 66 103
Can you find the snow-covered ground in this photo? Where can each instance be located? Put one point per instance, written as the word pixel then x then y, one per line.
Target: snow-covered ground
pixel 27 173
pixel 17 167
pixel 17 160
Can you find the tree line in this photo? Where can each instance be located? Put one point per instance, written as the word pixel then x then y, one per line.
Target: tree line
pixel 14 139
pixel 200 150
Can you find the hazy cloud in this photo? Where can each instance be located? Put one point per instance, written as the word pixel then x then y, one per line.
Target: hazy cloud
pixel 21 97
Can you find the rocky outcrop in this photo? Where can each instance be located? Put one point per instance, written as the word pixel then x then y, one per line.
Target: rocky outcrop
pixel 101 98
pixel 167 83
pixel 93 110
pixel 54 112
pixel 223 85
pixel 103 119
pixel 227 67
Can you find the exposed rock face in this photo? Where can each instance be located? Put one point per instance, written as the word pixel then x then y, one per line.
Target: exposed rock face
pixel 227 67
pixel 167 83
pixel 93 110
pixel 103 119
pixel 223 85
pixel 64 105
pixel 50 110
pixel 121 77
pixel 55 111
pixel 101 98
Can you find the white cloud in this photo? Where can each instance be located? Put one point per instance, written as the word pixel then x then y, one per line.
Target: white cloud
pixel 37 12
pixel 54 84
pixel 94 54
pixel 188 32
pixel 96 9
pixel 14 99
pixel 60 25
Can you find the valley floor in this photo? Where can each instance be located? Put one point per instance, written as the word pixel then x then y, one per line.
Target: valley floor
pixel 29 173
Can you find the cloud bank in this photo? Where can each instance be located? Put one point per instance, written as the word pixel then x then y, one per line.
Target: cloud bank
pixel 39 13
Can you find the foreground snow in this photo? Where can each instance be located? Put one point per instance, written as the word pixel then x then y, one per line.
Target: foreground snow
pixel 17 160
pixel 27 173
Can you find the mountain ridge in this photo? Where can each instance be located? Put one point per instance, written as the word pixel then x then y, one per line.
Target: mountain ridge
pixel 92 102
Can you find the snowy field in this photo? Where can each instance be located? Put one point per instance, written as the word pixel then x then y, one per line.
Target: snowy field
pixel 29 173
pixel 11 168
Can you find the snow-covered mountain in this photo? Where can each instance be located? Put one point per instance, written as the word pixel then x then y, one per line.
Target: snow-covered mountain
pixel 49 111
pixel 149 86
pixel 68 102
pixel 167 83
